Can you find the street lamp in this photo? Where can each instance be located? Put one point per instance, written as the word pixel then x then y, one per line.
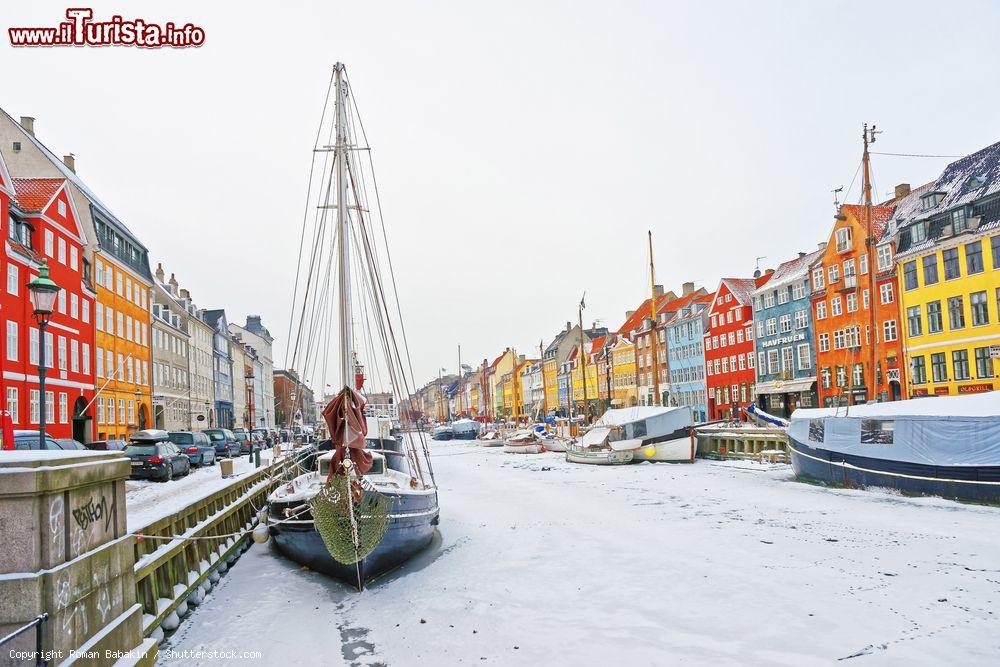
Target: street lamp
pixel 138 403
pixel 43 294
pixel 248 377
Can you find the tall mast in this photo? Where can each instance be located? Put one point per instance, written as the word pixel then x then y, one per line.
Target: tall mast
pixel 460 380
pixel 583 362
pixel 541 366
pixel 868 137
pixel 652 310
pixel 343 230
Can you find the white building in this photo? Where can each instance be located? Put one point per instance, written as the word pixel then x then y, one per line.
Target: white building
pixel 256 335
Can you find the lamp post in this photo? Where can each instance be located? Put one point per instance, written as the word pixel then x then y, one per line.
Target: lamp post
pixel 254 452
pixel 43 294
pixel 138 403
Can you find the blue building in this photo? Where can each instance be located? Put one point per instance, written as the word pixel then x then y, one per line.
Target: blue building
pixel 565 382
pixel 222 365
pixel 783 339
pixel 686 355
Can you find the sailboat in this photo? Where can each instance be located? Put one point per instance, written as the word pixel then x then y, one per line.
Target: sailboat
pixel 371 503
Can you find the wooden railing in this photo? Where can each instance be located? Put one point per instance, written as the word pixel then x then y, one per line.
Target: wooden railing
pixel 168 573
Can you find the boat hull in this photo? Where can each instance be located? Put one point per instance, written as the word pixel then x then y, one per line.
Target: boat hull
pixel 523 449
pixel 972 483
pixel 679 450
pixel 554 445
pixel 601 458
pixel 465 435
pixel 411 528
pixel 492 443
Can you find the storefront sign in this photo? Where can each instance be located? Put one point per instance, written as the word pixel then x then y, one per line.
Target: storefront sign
pixel 975 388
pixel 918 392
pixel 783 340
pixel 941 391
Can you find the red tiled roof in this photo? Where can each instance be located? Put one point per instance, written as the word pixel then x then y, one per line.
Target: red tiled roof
pixel 32 194
pixel 596 344
pixel 880 216
pixel 664 302
pixel 742 288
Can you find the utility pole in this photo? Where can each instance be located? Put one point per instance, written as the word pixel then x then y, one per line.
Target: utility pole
pixel 652 323
pixel 461 380
pixel 868 137
pixel 541 369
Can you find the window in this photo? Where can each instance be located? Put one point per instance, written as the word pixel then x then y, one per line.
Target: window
pixel 918 233
pixel 913 321
pixel 120 284
pixel 85 311
pixel 33 346
pixel 50 407
pixel 980 309
pixel 63 408
pixel 111 410
pixel 769 300
pixel 50 242
pixel 805 357
pixel 121 410
pixel 863 263
pixel 852 302
pixel 884 257
pixel 960 364
pixel 889 331
pixel 783 295
pixel 939 367
pixel 11 340
pixel 787 359
pixel 984 364
pixel 109 320
pixel 99 271
pixel 974 257
pixel 918 370
pixel 821 310
pixel 843 236
pixel 826 378
pixel 120 322
pixel 835 306
pixel 876 431
pixel 785 323
pixel 959 223
pixel 86 359
pixel 930 270
pixel 62 353
pixel 799 290
pixel 817 429
pixel 12 279
pixel 12 404
pixel 34 406
pixel 956 313
pixel 934 321
pixel 771 326
pixel 818 278
pixel 49 350
pixel 951 267
pixel 772 361
pixel 910 276
pixel 61 301
pixel 739 336
pixel 100 411
pixel 801 319
pixel 74 258
pixel 995 250
pixel 62 250
pixel 864 299
pixel 74 355
pixel 824 342
pixel 74 306
pixel 885 293
pixel 833 273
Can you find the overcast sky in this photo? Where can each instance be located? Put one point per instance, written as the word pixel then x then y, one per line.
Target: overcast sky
pixel 522 149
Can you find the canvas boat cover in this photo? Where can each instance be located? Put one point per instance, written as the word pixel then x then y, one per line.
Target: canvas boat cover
pixel 944 430
pixel 594 436
pixel 641 421
pixel 465 425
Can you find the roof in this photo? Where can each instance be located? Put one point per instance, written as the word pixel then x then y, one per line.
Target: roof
pixel 792 270
pixel 212 317
pixel 643 312
pixel 71 176
pixel 33 194
pixel 880 215
pixel 596 344
pixel 971 405
pixel 742 288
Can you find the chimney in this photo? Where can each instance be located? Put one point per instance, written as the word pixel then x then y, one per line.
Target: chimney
pixel 185 294
pixel 768 272
pixel 567 325
pixel 629 313
pixel 159 271
pixel 658 290
pixel 687 288
pixel 70 162
pixel 902 190
pixel 801 255
pixel 173 284
pixel 28 123
pixel 822 245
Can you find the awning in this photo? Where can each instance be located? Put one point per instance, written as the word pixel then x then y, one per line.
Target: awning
pixel 784 386
pixel 594 436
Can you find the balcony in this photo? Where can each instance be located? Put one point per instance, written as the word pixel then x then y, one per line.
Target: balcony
pixel 850 283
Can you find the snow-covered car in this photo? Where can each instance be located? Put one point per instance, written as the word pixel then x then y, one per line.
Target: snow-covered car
pixel 197 446
pixel 155 457
pixel 224 441
pixel 107 445
pixel 29 440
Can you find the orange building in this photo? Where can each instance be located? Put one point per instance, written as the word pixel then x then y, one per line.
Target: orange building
pixel 841 305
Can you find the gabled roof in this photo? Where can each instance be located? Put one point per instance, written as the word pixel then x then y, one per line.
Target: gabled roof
pixel 596 344
pixel 880 216
pixel 791 271
pixel 34 194
pixel 742 288
pixel 213 317
pixel 643 312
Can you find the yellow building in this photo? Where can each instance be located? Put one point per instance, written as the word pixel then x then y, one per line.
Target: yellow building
pixel 591 372
pixel 550 381
pixel 122 325
pixel 624 392
pixel 948 268
pixel 503 368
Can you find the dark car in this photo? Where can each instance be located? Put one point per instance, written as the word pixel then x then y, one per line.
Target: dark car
pixel 243 437
pixel 265 436
pixel 224 441
pixel 29 440
pixel 71 444
pixel 107 445
pixel 155 457
pixel 197 446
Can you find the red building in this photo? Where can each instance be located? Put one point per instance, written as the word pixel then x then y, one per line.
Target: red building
pixel 40 224
pixel 729 352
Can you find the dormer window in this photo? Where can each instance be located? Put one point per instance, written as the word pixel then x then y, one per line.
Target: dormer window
pixel 918 233
pixel 931 199
pixel 959 223
pixel 977 182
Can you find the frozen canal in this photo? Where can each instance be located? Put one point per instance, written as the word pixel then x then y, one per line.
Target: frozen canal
pixel 542 562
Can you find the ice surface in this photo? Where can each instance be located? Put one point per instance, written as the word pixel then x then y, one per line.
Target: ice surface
pixel 543 562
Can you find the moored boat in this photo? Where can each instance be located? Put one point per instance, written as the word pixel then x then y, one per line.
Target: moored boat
pixel 946 446
pixel 523 442
pixel 465 429
pixel 442 432
pixel 647 433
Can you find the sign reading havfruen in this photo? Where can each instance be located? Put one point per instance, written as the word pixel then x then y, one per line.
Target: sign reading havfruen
pixel 81 30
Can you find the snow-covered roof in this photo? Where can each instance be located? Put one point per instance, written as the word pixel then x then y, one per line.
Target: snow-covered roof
pixel 622 416
pixel 790 271
pixel 972 405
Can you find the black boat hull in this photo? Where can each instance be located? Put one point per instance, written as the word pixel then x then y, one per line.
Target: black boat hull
pixel 465 435
pixel 411 528
pixel 971 483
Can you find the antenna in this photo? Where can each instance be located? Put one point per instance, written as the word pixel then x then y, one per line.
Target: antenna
pixel 836 197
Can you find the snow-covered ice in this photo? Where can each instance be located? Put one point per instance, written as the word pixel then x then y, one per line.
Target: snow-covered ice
pixel 542 562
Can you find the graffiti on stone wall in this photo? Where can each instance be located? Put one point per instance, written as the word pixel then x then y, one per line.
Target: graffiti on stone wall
pixel 94 511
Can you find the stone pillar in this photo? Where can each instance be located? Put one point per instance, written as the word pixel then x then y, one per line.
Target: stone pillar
pixel 64 551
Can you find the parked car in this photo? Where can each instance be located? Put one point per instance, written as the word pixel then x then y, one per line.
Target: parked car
pixel 155 457
pixel 197 446
pixel 29 440
pixel 70 444
pixel 224 441
pixel 265 436
pixel 243 437
pixel 107 445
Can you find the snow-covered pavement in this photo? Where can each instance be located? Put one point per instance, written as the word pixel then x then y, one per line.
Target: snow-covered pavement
pixel 542 562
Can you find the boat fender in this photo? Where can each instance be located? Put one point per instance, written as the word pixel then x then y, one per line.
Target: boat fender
pixel 413 482
pixel 650 451
pixel 260 534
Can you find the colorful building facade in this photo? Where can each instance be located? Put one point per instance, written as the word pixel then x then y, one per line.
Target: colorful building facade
pixel 686 355
pixel 729 350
